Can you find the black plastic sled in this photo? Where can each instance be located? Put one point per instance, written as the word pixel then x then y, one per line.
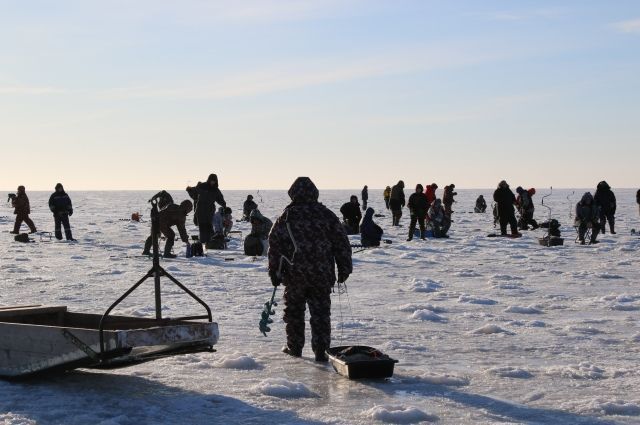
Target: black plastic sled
pixel 551 241
pixel 361 362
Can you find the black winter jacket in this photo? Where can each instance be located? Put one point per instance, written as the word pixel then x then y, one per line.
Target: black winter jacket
pixel 605 198
pixel 418 205
pixel 60 203
pixel 504 197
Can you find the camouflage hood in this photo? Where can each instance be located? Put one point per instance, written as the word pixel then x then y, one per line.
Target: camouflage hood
pixel 303 191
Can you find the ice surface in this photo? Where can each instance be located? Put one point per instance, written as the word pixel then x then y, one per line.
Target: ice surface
pixel 487 362
pixel 282 388
pixel 398 414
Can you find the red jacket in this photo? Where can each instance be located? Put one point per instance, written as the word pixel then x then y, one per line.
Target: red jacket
pixel 430 194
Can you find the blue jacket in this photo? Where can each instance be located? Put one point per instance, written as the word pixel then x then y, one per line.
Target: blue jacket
pixel 60 203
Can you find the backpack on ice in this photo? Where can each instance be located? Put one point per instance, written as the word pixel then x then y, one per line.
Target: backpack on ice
pixel 253 246
pixel 22 237
pixel 196 249
pixel 216 242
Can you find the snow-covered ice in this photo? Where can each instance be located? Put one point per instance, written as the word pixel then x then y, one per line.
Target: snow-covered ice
pixel 487 330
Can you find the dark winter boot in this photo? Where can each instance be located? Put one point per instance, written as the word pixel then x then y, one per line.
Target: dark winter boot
pixel 322 357
pixel 292 352
pixel 147 247
pixel 169 255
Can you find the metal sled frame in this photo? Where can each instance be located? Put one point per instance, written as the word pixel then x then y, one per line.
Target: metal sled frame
pixel 156 272
pixel 587 234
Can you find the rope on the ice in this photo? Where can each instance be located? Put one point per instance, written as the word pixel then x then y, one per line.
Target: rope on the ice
pixel 342 290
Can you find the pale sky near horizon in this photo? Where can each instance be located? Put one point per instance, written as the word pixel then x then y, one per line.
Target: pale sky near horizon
pixel 158 94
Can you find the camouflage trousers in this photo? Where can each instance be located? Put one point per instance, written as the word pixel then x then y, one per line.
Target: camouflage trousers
pixel 297 295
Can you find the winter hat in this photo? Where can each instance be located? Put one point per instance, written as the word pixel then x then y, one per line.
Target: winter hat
pixel 453 186
pixel 401 184
pixel 503 184
pixel 21 189
pixel 419 188
pixel 59 186
pixel 249 197
pixel 434 186
pixel 353 198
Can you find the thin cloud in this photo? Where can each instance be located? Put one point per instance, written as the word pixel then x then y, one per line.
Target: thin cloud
pixel 297 76
pixel 31 91
pixel 190 12
pixel 628 27
pixel 512 16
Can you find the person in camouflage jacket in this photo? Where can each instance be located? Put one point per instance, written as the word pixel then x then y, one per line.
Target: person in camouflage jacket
pixel 306 244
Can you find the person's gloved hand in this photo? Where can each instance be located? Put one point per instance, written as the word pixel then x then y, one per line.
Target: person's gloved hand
pixel 342 277
pixel 275 279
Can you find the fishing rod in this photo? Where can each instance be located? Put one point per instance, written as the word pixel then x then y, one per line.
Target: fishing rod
pixel 570 204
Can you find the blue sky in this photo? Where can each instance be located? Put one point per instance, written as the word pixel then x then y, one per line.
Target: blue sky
pixel 158 94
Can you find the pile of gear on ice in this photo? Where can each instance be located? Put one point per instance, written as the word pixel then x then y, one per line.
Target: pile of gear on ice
pixel 308 242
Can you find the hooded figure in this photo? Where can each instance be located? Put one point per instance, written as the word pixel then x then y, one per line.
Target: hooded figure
pixel 351 215
pixel 171 215
pixel 396 202
pixel 22 209
pixel 447 198
pixel 205 196
pixel 439 219
pixel 526 208
pixel 505 200
pixel 306 244
pixel 370 232
pixel 387 195
pixel 430 194
pixel 365 197
pixel 418 208
pixel 587 213
pixel 61 207
pixel 256 242
pixel 606 201
pixel 481 205
pixel 248 206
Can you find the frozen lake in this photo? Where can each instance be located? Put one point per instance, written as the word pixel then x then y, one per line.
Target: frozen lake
pixel 487 330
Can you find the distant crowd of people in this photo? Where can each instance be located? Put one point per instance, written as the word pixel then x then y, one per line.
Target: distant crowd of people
pixel 308 243
pixel 425 209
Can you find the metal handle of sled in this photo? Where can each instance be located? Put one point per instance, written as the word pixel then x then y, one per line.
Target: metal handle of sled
pixel 156 272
